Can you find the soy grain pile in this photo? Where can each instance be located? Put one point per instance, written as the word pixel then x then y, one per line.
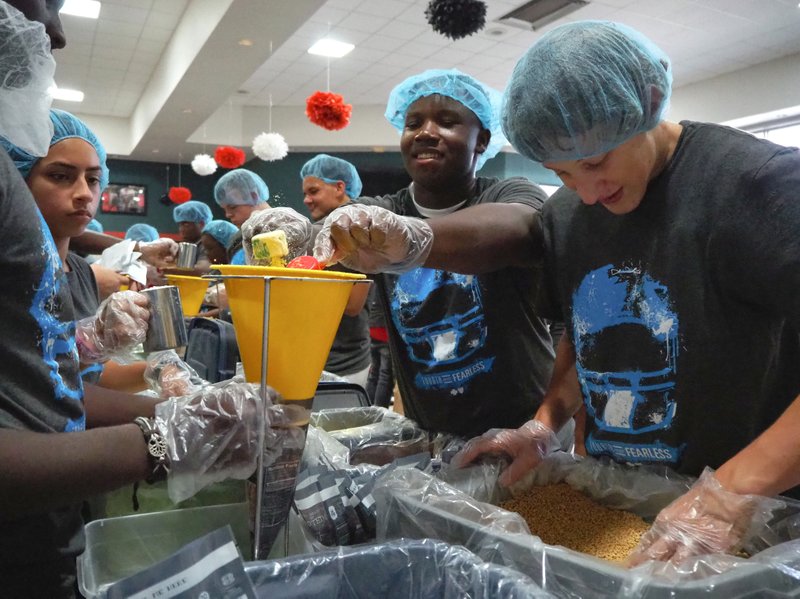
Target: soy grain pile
pixel 560 515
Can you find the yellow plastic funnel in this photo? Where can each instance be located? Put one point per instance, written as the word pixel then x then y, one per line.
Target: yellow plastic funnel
pixel 305 309
pixel 192 291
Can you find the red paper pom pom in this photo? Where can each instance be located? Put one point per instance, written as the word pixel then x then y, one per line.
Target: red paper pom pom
pixel 328 110
pixel 179 195
pixel 228 157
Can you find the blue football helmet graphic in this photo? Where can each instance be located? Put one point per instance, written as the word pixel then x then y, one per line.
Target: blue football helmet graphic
pixel 626 345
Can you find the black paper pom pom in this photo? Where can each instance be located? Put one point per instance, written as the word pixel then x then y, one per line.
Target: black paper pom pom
pixel 456 18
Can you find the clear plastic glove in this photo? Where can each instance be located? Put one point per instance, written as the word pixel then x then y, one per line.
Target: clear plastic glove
pixel 117 328
pixel 169 376
pixel 706 519
pixel 298 230
pixel 371 239
pixel 161 253
pixel 527 446
pixel 211 435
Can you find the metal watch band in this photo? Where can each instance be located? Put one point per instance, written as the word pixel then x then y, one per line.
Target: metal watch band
pixel 156 449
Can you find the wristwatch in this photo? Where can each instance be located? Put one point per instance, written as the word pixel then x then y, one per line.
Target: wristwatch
pixel 156 449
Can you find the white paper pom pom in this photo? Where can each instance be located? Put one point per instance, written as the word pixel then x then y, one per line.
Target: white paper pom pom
pixel 203 165
pixel 270 146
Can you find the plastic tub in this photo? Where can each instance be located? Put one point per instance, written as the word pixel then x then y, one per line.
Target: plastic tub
pixel 119 547
pixel 403 569
pixel 571 574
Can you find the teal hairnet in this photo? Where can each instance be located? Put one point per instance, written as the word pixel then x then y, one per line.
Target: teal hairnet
pixel 583 89
pixel 332 170
pixel 192 212
pixel 65 126
pixel 94 225
pixel 241 187
pixel 141 232
pixel 482 100
pixel 221 230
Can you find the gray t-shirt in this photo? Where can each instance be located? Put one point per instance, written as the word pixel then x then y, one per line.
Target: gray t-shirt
pixel 41 390
pixel 684 313
pixel 85 299
pixel 471 351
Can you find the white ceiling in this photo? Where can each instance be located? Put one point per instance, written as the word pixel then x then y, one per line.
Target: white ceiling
pixel 157 73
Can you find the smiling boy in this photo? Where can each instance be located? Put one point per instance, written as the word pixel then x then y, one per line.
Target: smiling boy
pixel 471 351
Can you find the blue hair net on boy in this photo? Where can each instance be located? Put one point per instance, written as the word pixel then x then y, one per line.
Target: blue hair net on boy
pixel 94 225
pixel 332 170
pixel 241 187
pixel 482 100
pixel 221 230
pixel 192 212
pixel 141 232
pixel 65 126
pixel 583 89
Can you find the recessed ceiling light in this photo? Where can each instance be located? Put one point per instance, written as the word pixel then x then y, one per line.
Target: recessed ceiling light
pixel 81 8
pixel 330 47
pixel 187 111
pixel 245 42
pixel 68 95
pixel 155 151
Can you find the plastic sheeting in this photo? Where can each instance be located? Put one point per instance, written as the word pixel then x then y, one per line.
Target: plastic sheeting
pixel 413 504
pixel 402 569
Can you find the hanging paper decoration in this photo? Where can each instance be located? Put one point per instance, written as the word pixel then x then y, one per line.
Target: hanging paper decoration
pixel 456 18
pixel 179 195
pixel 328 110
pixel 203 165
pixel 270 146
pixel 229 157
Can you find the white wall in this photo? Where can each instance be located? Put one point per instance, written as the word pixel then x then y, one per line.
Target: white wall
pixel 769 86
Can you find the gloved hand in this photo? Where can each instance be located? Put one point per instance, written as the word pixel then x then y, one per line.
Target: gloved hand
pixel 527 446
pixel 169 376
pixel 706 519
pixel 211 435
pixel 371 239
pixel 119 325
pixel 298 230
pixel 160 253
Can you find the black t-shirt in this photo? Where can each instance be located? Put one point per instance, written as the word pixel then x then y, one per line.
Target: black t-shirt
pixel 471 351
pixel 684 313
pixel 41 390
pixel 85 299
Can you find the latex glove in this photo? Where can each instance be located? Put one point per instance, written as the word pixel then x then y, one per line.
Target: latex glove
pixel 706 519
pixel 371 239
pixel 298 230
pixel 211 435
pixel 169 376
pixel 527 446
pixel 117 328
pixel 161 253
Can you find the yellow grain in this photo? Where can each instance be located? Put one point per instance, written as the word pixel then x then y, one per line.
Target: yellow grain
pixel 561 515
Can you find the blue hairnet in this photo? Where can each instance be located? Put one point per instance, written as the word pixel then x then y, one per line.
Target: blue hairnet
pixel 65 126
pixel 192 212
pixel 241 187
pixel 332 170
pixel 141 232
pixel 94 225
pixel 482 100
pixel 221 230
pixel 583 89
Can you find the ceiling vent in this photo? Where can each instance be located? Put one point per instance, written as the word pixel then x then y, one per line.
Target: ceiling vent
pixel 536 14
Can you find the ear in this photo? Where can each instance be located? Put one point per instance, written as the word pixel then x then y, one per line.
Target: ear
pixel 656 99
pixel 340 187
pixel 484 137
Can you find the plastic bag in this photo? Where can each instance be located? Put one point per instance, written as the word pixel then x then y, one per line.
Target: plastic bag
pixel 413 504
